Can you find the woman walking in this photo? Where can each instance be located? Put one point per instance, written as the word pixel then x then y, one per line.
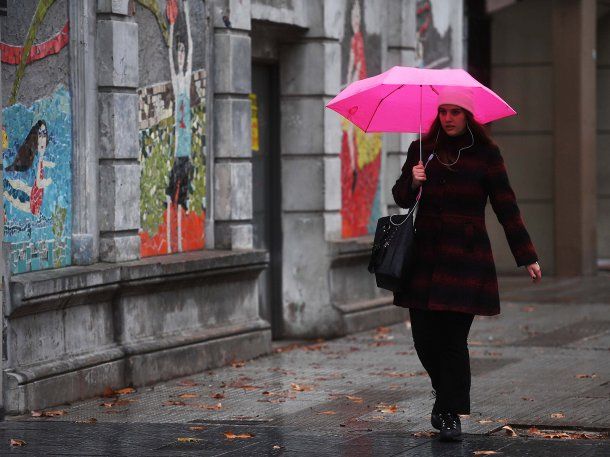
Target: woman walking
pixel 453 276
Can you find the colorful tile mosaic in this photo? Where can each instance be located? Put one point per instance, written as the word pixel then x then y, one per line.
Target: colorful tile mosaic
pixel 37 159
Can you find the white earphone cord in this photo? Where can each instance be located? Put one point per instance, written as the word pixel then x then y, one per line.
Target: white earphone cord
pixel 459 151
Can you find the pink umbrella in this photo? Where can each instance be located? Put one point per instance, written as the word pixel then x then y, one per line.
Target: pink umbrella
pixel 404 99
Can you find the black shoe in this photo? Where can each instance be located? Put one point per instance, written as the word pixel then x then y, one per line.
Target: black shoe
pixel 451 428
pixel 435 418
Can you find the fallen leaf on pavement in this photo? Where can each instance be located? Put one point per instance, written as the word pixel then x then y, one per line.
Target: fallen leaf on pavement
pixel 328 413
pixel 300 387
pixel 527 399
pixel 197 427
pixel 36 413
pixel 173 403
pixel 423 434
pixel 558 415
pixel 232 436
pixel 187 383
pixel 216 407
pixel 586 376
pixel 217 396
pixel 54 413
pixel 382 343
pixel 15 442
pixel 484 453
pixel 125 391
pixel 382 408
pixel 238 363
pixel 354 398
pixel 108 392
pixel 314 347
pixel 188 395
pixel 188 439
pixel 485 421
pixel 509 430
pixel 383 330
pixel 277 446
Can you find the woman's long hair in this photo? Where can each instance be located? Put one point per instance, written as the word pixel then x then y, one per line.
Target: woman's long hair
pixel 436 138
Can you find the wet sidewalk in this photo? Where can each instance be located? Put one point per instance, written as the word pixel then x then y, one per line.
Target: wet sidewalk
pixel 542 367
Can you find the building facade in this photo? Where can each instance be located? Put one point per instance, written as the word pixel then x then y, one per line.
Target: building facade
pixel 176 195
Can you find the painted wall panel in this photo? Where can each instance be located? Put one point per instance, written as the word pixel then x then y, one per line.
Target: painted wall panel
pixel 172 124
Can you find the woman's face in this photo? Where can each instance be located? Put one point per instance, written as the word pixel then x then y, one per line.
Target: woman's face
pixel 453 119
pixel 42 138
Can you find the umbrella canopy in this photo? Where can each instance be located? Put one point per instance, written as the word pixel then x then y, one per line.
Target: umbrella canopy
pixel 404 99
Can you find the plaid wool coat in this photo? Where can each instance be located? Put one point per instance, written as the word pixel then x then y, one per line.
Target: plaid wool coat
pixel 454 267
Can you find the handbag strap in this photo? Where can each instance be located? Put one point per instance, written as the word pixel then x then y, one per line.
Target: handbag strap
pixel 421 188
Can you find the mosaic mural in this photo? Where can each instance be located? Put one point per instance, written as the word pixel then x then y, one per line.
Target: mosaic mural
pixel 172 120
pixel 360 152
pixel 37 156
pixel 433 33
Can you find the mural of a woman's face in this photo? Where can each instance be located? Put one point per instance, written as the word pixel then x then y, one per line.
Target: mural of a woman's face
pixel 356 17
pixel 43 136
pixel 181 56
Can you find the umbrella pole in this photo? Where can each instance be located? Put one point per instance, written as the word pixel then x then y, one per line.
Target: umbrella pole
pixel 420 109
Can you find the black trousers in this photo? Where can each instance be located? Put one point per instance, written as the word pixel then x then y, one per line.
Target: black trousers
pixel 440 339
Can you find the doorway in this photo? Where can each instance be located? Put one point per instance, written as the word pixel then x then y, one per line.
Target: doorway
pixel 266 189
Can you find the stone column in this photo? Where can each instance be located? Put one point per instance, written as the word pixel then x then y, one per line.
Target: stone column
pixel 85 178
pixel 232 152
pixel 574 90
pixel 401 51
pixel 119 169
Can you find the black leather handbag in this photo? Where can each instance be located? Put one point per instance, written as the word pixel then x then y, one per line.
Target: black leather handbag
pixel 392 253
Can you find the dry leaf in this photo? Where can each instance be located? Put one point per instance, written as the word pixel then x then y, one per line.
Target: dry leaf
pixel 558 416
pixel 354 398
pixel 586 376
pixel 217 396
pixel 383 330
pixel 382 408
pixel 16 442
pixel 484 453
pixel 423 434
pixel 216 407
pixel 232 436
pixel 238 363
pixel 485 421
pixel 527 399
pixel 173 403
pixel 188 395
pixel 314 347
pixel 54 413
pixel 187 383
pixel 509 430
pixel 197 427
pixel 125 391
pixel 382 343
pixel 36 413
pixel 328 413
pixel 301 388
pixel 277 446
pixel 189 440
pixel 108 392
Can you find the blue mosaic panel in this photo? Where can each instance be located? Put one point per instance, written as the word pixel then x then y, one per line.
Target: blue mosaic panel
pixel 37 160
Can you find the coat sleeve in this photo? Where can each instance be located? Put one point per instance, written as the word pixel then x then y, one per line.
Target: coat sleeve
pixel 504 204
pixel 404 196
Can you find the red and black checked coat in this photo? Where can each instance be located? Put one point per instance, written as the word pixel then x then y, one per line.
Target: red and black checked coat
pixel 454 266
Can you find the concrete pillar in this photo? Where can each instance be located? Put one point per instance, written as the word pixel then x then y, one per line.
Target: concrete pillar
pixel 119 170
pixel 574 93
pixel 232 161
pixel 85 229
pixel 401 44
